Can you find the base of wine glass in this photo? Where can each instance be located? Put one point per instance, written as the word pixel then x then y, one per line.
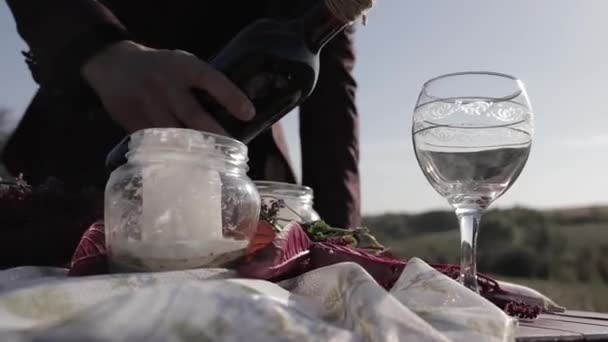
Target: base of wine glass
pixel 466 281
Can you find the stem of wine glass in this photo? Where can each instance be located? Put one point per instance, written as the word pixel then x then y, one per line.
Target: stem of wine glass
pixel 469 227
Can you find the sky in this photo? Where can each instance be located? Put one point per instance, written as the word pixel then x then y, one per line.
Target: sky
pixel 556 47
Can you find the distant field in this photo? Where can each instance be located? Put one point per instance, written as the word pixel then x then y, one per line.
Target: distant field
pixel 583 245
pixel 434 247
pixel 585 235
pixel 574 295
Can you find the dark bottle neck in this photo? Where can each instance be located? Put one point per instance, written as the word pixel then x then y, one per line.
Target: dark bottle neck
pixel 319 26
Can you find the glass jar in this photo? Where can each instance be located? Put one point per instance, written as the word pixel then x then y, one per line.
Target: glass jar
pixel 298 200
pixel 182 200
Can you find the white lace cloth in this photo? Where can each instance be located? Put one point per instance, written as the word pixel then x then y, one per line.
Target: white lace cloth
pixel 337 303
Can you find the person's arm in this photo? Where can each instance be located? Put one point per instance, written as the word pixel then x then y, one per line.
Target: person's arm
pixel 63 34
pixel 329 134
pixel 80 43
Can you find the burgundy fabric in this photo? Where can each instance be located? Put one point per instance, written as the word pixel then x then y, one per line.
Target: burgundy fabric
pixel 62 135
pixel 279 256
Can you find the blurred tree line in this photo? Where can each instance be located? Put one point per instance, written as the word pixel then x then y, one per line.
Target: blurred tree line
pixel 554 245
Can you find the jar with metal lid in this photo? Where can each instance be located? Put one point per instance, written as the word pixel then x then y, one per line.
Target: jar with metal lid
pixel 181 200
pixel 298 200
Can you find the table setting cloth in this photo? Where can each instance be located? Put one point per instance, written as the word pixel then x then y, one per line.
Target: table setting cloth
pixel 341 302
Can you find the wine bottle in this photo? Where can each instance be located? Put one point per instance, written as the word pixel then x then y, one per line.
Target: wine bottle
pixel 276 63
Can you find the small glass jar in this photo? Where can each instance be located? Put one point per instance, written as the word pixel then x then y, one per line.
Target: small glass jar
pixel 182 200
pixel 298 200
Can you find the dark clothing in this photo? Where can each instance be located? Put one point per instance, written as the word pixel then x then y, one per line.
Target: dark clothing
pixel 65 134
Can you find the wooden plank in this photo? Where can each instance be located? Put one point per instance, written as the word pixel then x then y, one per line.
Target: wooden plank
pixel 584 314
pixel 529 333
pixel 563 328
pixel 583 328
pixel 574 319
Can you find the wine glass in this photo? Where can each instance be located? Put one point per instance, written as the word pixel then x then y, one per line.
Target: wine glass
pixel 472 134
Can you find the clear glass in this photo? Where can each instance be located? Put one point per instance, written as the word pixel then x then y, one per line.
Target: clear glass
pixel 472 134
pixel 182 200
pixel 298 200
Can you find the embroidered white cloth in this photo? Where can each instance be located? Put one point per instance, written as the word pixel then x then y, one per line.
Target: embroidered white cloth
pixel 336 303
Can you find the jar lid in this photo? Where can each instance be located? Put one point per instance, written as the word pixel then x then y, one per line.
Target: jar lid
pixel 176 139
pixel 283 189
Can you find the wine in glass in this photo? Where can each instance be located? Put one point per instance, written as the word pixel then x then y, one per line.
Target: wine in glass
pixel 472 134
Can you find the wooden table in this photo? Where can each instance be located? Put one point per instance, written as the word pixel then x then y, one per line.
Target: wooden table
pixel 568 326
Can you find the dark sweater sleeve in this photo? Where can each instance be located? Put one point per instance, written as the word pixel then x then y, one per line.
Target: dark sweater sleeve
pixel 329 134
pixel 63 34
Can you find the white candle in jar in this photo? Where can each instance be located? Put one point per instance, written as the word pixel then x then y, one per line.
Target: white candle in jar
pixel 181 205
